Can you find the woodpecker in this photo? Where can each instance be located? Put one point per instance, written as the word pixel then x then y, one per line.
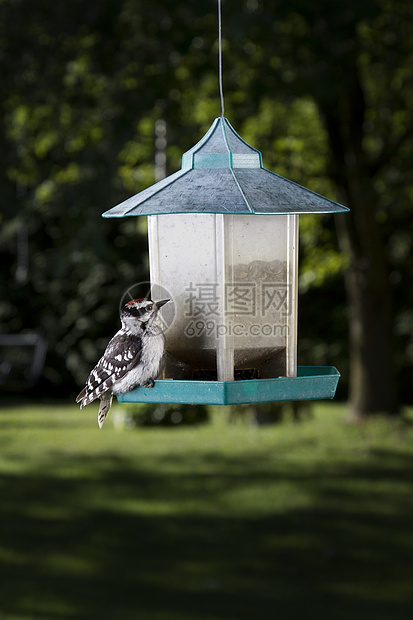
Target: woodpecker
pixel 135 356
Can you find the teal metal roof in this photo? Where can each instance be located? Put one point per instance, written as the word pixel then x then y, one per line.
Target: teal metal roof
pixel 224 174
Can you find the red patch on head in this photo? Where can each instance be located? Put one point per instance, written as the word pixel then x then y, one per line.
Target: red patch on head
pixel 134 301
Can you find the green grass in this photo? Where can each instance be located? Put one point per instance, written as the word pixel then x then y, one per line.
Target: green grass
pixel 219 522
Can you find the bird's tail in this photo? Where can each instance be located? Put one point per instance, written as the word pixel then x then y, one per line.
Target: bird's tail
pixel 105 404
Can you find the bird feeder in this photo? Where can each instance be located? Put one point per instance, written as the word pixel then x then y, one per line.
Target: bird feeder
pixel 223 246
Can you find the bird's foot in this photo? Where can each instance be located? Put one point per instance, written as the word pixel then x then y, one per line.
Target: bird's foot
pixel 149 384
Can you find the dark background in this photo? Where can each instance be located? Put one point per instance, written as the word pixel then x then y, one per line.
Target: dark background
pixel 324 90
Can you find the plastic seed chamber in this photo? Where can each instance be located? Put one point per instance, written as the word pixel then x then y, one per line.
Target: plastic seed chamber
pixel 223 246
pixel 233 283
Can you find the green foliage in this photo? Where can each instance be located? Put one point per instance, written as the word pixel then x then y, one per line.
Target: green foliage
pixel 164 415
pixel 83 86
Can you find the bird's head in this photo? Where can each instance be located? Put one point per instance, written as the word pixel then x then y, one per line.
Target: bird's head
pixel 140 313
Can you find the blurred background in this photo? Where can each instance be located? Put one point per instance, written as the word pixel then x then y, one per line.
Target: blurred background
pixel 99 100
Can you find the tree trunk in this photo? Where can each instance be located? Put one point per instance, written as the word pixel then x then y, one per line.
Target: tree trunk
pixel 369 294
pixel 372 384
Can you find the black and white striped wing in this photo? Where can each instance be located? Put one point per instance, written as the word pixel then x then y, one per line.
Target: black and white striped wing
pixel 122 354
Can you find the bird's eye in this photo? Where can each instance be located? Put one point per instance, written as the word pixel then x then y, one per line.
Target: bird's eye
pixel 148 307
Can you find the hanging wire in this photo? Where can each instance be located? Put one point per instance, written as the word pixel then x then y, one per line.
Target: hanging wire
pixel 221 89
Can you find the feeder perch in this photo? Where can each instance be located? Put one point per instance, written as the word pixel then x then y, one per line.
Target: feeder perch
pixel 223 246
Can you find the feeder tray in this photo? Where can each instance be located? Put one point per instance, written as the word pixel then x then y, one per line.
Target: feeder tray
pixel 311 382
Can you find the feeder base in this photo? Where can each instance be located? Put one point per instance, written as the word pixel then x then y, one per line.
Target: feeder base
pixel 311 383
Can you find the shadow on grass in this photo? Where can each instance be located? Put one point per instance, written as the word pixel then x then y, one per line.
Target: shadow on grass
pixel 124 542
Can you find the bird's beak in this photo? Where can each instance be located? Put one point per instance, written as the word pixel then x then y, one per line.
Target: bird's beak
pixel 159 304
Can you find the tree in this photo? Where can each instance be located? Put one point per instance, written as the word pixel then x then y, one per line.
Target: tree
pixel 354 60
